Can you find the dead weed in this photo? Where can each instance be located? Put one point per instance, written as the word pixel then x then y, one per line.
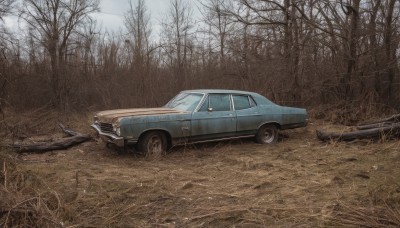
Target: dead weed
pixel 298 182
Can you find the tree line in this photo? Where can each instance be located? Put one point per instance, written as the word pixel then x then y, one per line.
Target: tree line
pixel 295 52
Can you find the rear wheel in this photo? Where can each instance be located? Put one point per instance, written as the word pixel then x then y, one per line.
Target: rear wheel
pixel 153 144
pixel 267 134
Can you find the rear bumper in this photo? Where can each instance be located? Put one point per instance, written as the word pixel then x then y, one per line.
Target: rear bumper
pixel 109 138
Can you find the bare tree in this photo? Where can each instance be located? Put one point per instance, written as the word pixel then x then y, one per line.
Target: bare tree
pixel 353 35
pixel 5 7
pixel 56 21
pixel 137 21
pixel 390 44
pixel 177 32
pixel 373 36
pixel 5 39
pixel 219 22
pixel 282 19
pixel 5 10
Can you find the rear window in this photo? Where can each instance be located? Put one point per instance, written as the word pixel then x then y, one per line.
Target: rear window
pixel 243 102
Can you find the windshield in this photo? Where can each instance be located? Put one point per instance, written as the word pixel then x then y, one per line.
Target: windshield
pixel 185 101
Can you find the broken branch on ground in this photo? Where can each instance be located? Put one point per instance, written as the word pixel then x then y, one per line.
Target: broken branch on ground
pixel 59 144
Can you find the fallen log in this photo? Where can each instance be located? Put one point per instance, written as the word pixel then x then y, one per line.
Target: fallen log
pixel 380 123
pixel 394 118
pixel 60 144
pixel 389 130
pixel 374 125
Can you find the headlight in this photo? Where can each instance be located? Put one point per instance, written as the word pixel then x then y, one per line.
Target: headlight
pixel 116 128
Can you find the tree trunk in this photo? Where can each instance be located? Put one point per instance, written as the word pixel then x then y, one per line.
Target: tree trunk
pixel 352 50
pixel 390 54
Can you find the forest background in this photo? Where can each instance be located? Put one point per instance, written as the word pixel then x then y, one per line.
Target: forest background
pixel 295 52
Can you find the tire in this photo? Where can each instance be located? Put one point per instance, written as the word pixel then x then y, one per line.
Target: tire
pixel 153 144
pixel 267 134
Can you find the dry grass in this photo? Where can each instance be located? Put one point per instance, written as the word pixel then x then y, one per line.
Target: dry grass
pixel 381 208
pixel 298 182
pixel 351 113
pixel 25 200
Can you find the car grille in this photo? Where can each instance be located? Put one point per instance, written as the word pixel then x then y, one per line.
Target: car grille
pixel 106 127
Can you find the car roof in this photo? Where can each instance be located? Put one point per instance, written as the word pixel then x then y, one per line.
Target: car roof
pixel 217 91
pixel 257 97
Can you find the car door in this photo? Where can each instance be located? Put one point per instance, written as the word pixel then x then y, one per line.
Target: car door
pixel 215 119
pixel 248 117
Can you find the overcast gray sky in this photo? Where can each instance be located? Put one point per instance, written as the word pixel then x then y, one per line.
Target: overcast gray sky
pixel 111 15
pixel 112 12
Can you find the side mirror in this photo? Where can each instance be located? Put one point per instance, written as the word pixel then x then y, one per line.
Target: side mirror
pixel 210 109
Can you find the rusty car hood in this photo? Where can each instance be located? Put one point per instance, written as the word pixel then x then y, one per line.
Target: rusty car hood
pixel 112 115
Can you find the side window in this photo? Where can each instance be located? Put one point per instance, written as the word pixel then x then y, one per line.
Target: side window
pixel 243 102
pixel 218 102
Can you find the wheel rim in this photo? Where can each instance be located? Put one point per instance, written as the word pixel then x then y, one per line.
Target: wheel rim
pixel 268 136
pixel 155 145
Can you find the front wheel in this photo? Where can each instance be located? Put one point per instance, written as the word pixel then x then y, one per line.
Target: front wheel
pixel 153 144
pixel 267 134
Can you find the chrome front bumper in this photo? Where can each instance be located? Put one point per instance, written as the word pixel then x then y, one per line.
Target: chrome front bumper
pixel 109 138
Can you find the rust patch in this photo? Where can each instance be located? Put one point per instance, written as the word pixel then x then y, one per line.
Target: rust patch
pixel 110 115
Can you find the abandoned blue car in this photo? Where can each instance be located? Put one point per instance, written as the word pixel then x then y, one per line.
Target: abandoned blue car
pixel 198 116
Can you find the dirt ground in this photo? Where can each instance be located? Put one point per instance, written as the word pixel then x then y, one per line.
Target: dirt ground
pixel 300 181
